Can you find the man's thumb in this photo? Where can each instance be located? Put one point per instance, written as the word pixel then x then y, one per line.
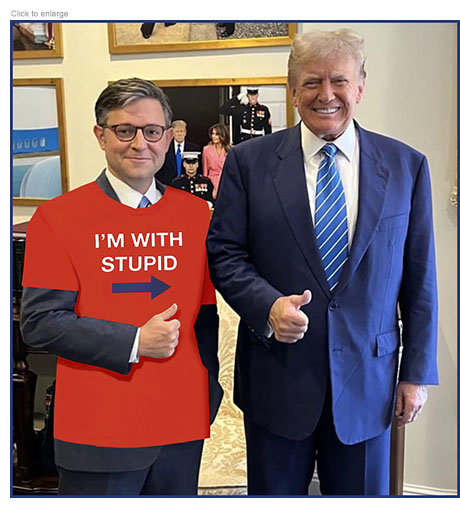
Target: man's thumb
pixel 303 299
pixel 168 313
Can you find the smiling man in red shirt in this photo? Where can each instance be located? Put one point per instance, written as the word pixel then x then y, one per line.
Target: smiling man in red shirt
pixel 116 284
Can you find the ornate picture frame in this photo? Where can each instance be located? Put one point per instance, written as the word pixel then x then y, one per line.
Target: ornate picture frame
pixel 138 38
pixel 39 169
pixel 36 40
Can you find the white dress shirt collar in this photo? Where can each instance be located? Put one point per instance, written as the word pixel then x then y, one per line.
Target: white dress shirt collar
pixel 129 196
pixel 312 144
pixel 347 162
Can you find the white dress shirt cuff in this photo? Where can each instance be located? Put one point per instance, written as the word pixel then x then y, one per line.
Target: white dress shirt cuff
pixel 134 357
pixel 268 331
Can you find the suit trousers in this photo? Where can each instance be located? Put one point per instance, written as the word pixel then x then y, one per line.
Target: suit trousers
pixel 280 466
pixel 174 472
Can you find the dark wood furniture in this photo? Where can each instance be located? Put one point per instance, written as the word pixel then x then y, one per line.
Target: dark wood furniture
pixel 27 474
pixel 397 460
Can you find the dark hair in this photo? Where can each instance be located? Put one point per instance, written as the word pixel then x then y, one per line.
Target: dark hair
pixel 222 132
pixel 120 93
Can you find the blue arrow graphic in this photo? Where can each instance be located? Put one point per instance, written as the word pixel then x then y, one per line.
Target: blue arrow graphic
pixel 155 287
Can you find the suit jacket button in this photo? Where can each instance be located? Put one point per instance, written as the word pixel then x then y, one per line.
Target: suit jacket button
pixel 333 306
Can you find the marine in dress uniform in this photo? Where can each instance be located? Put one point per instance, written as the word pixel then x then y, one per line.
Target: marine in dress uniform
pixel 251 119
pixel 192 182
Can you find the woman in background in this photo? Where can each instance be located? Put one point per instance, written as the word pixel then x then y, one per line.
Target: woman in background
pixel 215 152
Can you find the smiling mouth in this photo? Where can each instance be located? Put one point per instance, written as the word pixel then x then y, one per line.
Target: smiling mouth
pixel 326 111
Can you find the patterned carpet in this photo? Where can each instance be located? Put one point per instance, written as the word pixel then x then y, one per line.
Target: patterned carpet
pixel 223 467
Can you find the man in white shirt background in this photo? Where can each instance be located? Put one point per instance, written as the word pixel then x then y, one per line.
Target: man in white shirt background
pixel 172 167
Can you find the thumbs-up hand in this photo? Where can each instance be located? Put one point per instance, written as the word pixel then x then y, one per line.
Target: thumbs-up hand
pixel 158 337
pixel 289 323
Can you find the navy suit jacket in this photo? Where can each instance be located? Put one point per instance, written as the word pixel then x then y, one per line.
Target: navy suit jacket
pixel 168 171
pixel 261 246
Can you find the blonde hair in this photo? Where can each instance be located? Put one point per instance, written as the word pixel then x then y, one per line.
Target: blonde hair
pixel 320 44
pixel 179 123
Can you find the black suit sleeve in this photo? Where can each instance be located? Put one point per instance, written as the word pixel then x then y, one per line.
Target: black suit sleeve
pixel 207 331
pixel 268 124
pixel 230 107
pixel 48 321
pixel 231 265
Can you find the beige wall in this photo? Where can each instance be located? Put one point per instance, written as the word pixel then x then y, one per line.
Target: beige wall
pixel 410 94
pixel 87 67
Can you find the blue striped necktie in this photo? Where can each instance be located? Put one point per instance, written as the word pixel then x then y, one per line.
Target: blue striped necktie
pixel 178 161
pixel 331 228
pixel 144 202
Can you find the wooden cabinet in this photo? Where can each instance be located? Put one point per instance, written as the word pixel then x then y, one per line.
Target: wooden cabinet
pixel 29 474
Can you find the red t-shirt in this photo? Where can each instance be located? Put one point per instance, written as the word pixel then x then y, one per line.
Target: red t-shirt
pixel 112 254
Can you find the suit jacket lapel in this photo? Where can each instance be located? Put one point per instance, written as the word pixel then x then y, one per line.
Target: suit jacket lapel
pixel 291 187
pixel 373 180
pixel 104 184
pixel 160 186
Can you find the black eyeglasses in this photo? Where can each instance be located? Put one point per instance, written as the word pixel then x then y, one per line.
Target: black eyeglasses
pixel 127 132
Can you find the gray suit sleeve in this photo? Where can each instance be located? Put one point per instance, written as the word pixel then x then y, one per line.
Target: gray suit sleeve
pixel 49 322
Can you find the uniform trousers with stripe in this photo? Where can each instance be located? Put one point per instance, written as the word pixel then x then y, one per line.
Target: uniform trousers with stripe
pixel 174 472
pixel 280 466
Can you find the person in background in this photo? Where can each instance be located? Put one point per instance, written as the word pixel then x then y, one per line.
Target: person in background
pixel 192 182
pixel 250 119
pixel 172 166
pixel 215 153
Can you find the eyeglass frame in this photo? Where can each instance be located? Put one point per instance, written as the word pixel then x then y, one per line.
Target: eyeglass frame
pixel 137 127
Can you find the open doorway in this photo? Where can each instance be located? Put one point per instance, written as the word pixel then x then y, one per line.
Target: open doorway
pixel 198 101
pixel 198 106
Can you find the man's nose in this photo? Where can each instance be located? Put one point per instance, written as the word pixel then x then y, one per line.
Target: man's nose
pixel 326 92
pixel 139 141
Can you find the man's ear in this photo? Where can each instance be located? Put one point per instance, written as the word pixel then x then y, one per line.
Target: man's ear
pixel 99 133
pixel 361 86
pixel 293 94
pixel 168 135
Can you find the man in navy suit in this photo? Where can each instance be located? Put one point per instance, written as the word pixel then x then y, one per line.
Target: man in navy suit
pixel 317 356
pixel 172 166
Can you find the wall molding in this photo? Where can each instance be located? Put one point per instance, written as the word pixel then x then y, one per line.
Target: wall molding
pixel 410 489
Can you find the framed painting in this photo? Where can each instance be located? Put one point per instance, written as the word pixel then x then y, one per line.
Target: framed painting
pixel 36 40
pixel 147 37
pixel 202 103
pixel 39 158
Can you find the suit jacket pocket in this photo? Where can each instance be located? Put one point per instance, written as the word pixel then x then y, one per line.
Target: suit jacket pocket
pixel 387 342
pixel 392 222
